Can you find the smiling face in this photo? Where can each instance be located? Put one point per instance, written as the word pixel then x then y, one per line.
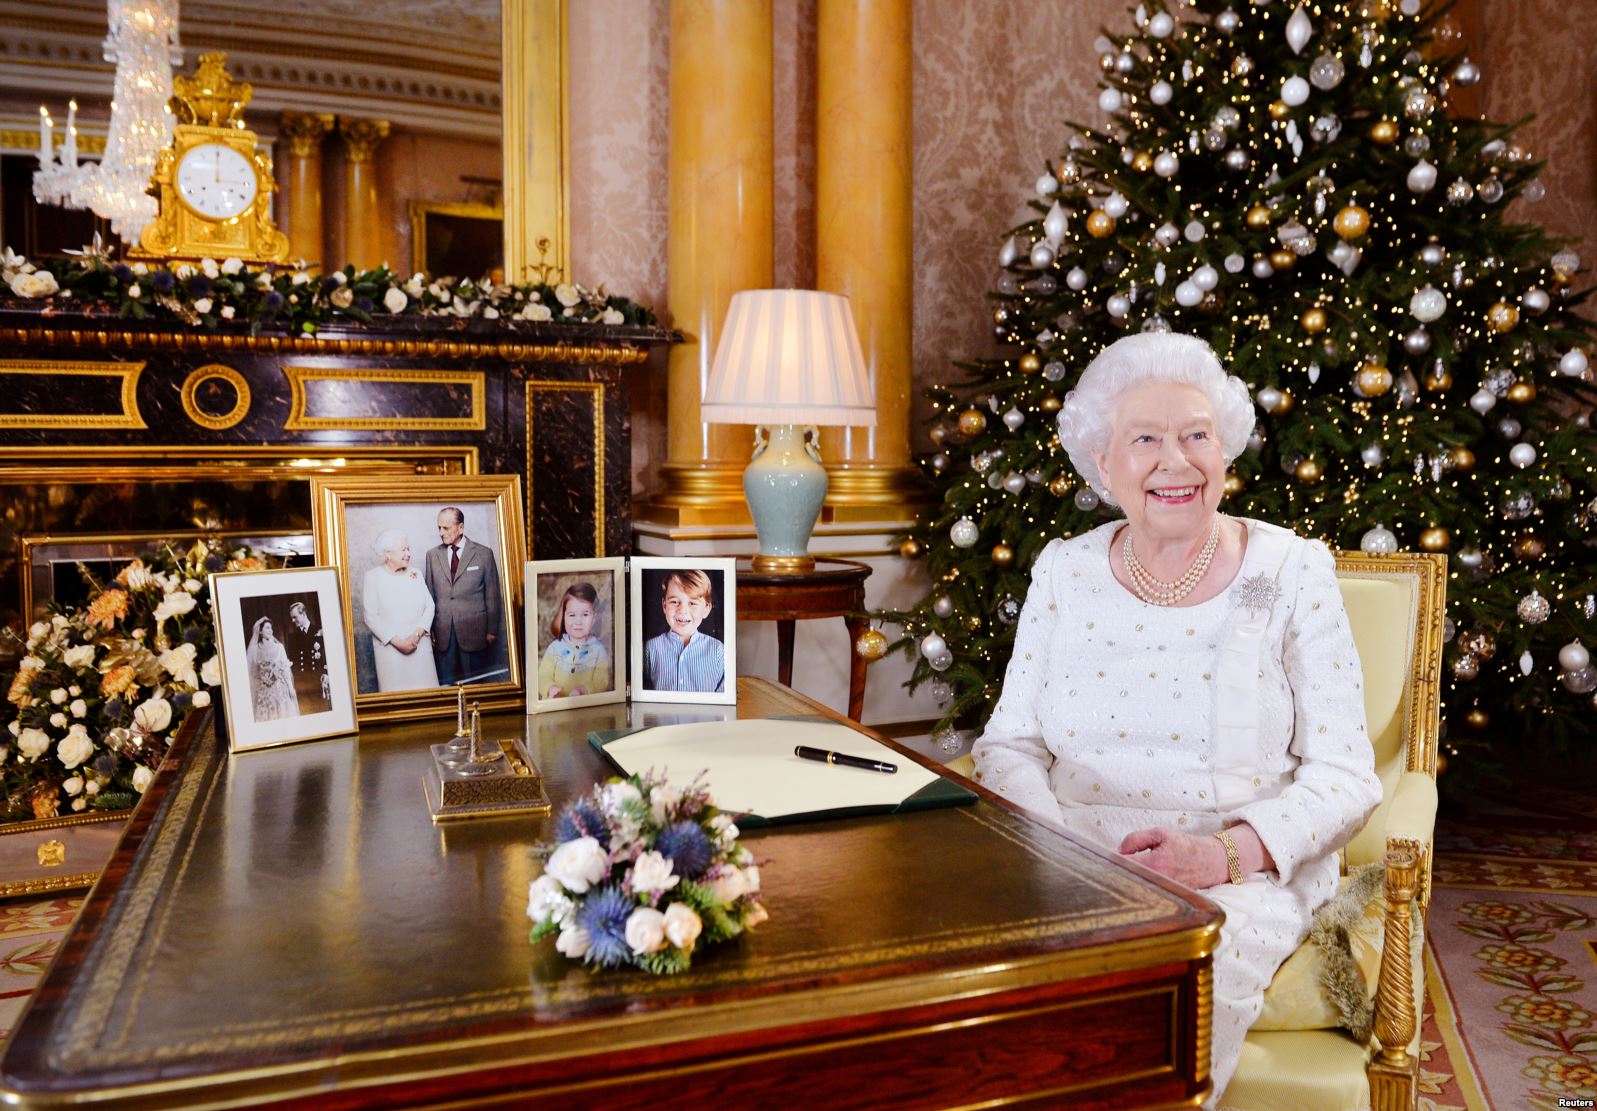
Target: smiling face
pixel 683 612
pixel 449 529
pixel 1164 464
pixel 577 619
pixel 398 557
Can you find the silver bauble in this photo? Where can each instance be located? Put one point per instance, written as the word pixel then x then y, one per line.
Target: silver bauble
pixel 1573 656
pixel 1053 370
pixel 1579 680
pixel 1433 254
pixel 1417 342
pixel 1574 361
pixel 1165 164
pixel 1115 204
pixel 1460 192
pixel 1008 284
pixel 1509 429
pixel 941 691
pixel 1522 455
pixel 941 663
pixel 1325 128
pixel 1262 267
pixel 1227 116
pixel 1214 139
pixel 1041 254
pixel 1533 609
pixel 1326 72
pixel 939 462
pixel 1118 305
pixel 1373 455
pixel 1160 92
pixel 1161 25
pixel 1167 235
pixel 1490 190
pixel 1236 159
pixel 1014 483
pixel 1008 609
pixel 1482 401
pixel 1047 185
pixel 1013 419
pixel 1535 300
pixel 964 533
pixel 994 480
pixel 1470 559
pixel 1076 279
pixel 1467 73
pixel 1466 667
pixel 1235 264
pixel 1422 177
pixel 1111 100
pixel 1518 505
pixel 1448 630
pixel 1427 304
pixel 1378 541
pixel 1269 399
pixel 1227 21
pixel 1205 277
pixel 1416 144
pixel 1255 441
pixel 1086 499
pixel 1125 62
pixel 1188 294
pixel 933 644
pixel 943 606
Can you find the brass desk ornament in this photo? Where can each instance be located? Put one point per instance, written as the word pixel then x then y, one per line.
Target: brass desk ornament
pixel 485 781
pixel 457 750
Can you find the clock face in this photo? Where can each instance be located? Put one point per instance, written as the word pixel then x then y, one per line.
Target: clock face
pixel 216 180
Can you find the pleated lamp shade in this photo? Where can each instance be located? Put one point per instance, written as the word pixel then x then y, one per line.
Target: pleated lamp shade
pixel 789 356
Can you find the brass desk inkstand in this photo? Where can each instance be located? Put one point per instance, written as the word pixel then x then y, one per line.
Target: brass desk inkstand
pixel 471 780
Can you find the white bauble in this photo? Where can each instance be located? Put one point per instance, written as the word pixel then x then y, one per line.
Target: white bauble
pixel 1014 483
pixel 964 533
pixel 1235 264
pixel 1422 178
pixel 1299 29
pixel 1379 540
pixel 1056 223
pixel 1115 205
pixel 1047 185
pixel 1427 304
pixel 1573 363
pixel 1013 419
pixel 1160 92
pixel 1041 254
pixel 1482 401
pixel 1262 267
pixel 1110 100
pixel 1269 399
pixel 1294 91
pixel 1009 252
pixel 1227 21
pixel 1535 300
pixel 1522 455
pixel 1167 235
pixel 1076 279
pixel 1188 294
pixel 1527 663
pixel 1118 305
pixel 1205 278
pixel 1373 455
pixel 1161 25
pixel 1165 164
pixel 943 606
pixel 1573 656
pixel 932 644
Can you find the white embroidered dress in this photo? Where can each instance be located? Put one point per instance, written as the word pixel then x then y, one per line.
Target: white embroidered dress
pixel 1118 716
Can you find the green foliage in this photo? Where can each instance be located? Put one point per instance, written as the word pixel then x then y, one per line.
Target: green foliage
pixel 541 930
pixel 718 925
pixel 1240 244
pixel 667 962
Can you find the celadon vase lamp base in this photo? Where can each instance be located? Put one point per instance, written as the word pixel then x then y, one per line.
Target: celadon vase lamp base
pixel 785 485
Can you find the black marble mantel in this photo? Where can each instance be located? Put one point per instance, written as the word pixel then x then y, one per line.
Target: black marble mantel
pixel 110 426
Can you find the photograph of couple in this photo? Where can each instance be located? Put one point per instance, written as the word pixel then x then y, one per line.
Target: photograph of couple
pixel 430 610
pixel 286 656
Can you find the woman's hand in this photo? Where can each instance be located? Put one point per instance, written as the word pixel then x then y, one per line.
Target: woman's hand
pixel 1194 861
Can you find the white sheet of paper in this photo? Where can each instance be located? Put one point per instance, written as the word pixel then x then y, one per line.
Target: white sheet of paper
pixel 751 767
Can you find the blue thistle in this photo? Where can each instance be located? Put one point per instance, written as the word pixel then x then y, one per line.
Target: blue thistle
pixel 162 281
pixel 687 847
pixel 199 286
pixel 272 301
pixel 214 562
pixel 582 819
pixel 604 915
pixel 124 273
pixel 364 304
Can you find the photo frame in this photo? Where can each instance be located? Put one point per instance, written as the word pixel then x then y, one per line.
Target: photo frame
pixel 422 616
pixel 283 640
pixel 586 597
pixel 700 580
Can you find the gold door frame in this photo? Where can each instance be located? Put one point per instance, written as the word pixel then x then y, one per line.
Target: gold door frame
pixel 535 139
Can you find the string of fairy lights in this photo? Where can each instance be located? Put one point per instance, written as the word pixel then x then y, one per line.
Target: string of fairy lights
pixel 1286 181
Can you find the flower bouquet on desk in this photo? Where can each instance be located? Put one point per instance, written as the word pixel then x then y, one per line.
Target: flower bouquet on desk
pixel 642 873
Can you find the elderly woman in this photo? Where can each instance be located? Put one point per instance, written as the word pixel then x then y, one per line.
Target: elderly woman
pixel 1184 687
pixel 399 613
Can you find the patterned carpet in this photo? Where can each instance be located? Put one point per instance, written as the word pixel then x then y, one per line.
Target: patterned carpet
pixel 1510 963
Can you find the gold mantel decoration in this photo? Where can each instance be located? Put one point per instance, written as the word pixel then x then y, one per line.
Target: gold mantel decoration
pixel 301 419
pixel 213 421
pixel 128 418
pixel 600 515
pixel 210 111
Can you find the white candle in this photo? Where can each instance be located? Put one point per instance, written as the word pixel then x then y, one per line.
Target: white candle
pixel 71 156
pixel 46 147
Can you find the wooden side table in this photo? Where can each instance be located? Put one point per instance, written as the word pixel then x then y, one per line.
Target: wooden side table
pixel 836 588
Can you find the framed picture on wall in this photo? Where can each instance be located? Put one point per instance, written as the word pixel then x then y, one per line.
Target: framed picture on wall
pixel 283 641
pixel 432 564
pixel 576 633
pixel 683 637
pixel 462 239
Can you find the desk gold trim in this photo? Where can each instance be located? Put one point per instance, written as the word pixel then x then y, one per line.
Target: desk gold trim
pixel 128 418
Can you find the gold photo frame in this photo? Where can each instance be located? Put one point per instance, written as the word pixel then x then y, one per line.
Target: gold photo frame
pixel 423 618
pixel 459 238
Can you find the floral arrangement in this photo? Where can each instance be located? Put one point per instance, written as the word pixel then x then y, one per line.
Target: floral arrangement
pixel 103 688
pixel 641 873
pixel 210 293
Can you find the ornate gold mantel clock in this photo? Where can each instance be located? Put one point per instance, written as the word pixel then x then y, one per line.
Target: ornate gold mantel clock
pixel 213 185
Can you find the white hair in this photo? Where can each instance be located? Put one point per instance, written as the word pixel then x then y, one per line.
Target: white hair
pixel 387 541
pixel 1088 415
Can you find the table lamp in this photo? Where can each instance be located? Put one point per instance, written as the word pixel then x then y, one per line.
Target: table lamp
pixel 787 361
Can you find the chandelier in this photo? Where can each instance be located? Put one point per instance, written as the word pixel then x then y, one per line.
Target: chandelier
pixel 143 44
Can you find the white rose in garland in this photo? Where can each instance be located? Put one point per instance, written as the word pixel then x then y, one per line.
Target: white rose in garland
pixel 578 865
pixel 33 743
pixel 81 655
pixel 175 604
pixel 76 748
pixel 646 930
pixel 153 715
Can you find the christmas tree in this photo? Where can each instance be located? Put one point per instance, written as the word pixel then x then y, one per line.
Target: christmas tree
pixel 1288 183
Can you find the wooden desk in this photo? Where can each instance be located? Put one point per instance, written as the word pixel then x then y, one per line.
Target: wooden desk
pixel 836 588
pixel 287 927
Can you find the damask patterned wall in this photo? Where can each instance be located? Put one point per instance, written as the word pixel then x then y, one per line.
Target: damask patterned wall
pixel 994 85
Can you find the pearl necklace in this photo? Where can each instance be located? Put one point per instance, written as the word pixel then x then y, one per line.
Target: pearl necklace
pixel 1158 593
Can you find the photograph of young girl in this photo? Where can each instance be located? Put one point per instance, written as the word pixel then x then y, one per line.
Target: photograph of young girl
pixel 574 632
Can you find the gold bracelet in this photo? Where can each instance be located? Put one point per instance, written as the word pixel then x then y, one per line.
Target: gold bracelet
pixel 1233 861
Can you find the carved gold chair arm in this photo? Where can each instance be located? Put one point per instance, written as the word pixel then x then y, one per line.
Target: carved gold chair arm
pixel 1392 1072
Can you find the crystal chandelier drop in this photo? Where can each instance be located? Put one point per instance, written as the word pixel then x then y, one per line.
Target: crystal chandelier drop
pixel 143 44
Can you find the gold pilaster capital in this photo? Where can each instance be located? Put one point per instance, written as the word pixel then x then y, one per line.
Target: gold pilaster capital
pixel 362 137
pixel 304 130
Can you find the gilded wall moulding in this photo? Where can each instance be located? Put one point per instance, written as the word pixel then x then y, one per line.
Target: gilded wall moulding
pixel 215 372
pixel 302 380
pixel 26 411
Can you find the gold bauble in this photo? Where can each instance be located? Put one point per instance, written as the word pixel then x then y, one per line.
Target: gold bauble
pixel 1478 642
pixel 1142 162
pixel 911 549
pixel 1528 546
pixel 1069 172
pixel 1439 380
pixel 1351 222
pixel 1378 11
pixel 1309 471
pixel 1502 317
pixel 1258 217
pixel 1284 405
pixel 871 645
pixel 1463 459
pixel 1521 392
pixel 1003 555
pixel 1233 485
pixel 1373 380
pixel 1477 718
pixel 1100 223
pixel 1283 259
pixel 1059 486
pixel 1384 131
pixel 973 622
pixel 972 422
pixel 1441 764
pixel 1050 404
pixel 1313 321
pixel 1030 364
pixel 1279 110
pixel 1435 539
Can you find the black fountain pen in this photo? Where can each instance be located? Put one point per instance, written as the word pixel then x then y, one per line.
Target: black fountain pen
pixel 825 757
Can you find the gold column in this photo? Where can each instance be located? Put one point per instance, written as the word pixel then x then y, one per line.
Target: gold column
pixel 863 207
pixel 535 137
pixel 362 213
pixel 304 132
pixel 720 237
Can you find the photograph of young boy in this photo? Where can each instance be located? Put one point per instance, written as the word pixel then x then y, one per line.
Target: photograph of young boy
pixel 684 657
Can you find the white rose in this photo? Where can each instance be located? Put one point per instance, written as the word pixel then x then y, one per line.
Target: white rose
pixel 184 271
pixel 76 748
pixel 40 284
pixel 413 287
pixel 135 292
pixel 141 778
pixel 547 901
pixel 153 715
pixel 211 671
pixel 490 313
pixel 59 720
pixel 617 795
pixel 578 864
pixel 652 873
pixel 202 699
pixel 232 266
pixel 73 786
pixel 202 306
pixel 573 942
pixel 682 925
pixel 535 312
pixel 78 804
pixel 91 788
pixel 726 830
pixel 179 664
pixel 664 799
pixel 727 886
pixel 59 695
pixel 174 604
pixel 751 876
pixel 613 316
pixel 209 267
pixel 140 269
pixel 79 708
pixel 646 930
pixel 81 655
pixel 567 294
pixel 227 312
pixel 395 300
pixel 300 277
pixel 37 630
pixel 33 743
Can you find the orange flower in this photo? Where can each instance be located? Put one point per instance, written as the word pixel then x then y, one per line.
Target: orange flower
pixel 20 685
pixel 118 680
pixel 1505 914
pixel 109 608
pixel 1545 1011
pixel 44 801
pixel 246 563
pixel 1518 957
pixel 129 571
